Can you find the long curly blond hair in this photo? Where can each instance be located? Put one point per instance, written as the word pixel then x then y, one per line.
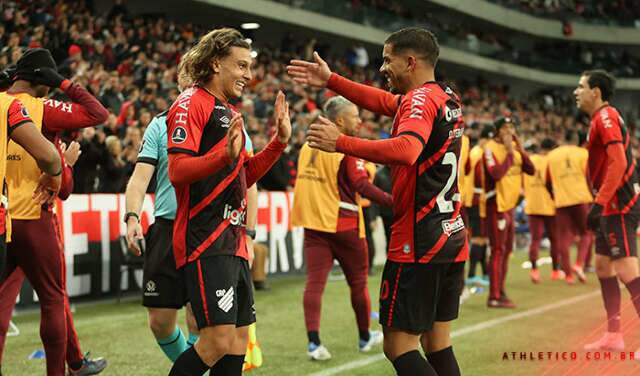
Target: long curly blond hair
pixel 195 66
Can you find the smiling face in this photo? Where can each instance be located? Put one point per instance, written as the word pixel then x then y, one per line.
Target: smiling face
pixel 395 69
pixel 233 72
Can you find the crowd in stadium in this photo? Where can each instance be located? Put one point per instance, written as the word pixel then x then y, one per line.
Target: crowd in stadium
pixel 623 11
pixel 130 65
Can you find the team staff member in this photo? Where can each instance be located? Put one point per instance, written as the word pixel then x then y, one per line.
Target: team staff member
pixel 539 207
pixel 424 273
pixel 327 205
pixel 210 172
pixel 11 288
pixel 503 160
pixel 475 206
pixel 35 247
pixel 615 212
pixel 567 181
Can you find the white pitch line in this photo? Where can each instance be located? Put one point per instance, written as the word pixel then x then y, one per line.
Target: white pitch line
pixel 466 330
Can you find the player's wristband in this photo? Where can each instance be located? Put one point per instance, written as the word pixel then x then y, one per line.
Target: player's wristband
pixel 251 234
pixel 129 215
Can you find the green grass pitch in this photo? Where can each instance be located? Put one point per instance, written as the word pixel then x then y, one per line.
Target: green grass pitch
pixel 119 332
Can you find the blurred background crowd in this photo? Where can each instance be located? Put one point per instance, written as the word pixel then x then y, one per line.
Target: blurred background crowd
pixel 129 63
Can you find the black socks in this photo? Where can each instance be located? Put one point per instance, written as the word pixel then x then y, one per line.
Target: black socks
pixel 634 290
pixel 188 364
pixel 444 362
pixel 314 337
pixel 229 365
pixel 413 364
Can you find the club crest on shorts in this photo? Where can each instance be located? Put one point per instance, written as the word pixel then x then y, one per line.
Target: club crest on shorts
pixel 225 302
pixel 151 286
pixel 406 249
pixel 179 135
pixel 502 224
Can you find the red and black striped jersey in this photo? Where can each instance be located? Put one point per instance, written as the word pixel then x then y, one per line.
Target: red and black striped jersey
pixel 607 127
pixel 427 225
pixel 211 212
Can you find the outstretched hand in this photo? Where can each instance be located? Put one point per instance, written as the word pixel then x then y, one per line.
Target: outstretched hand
pixel 323 135
pixel 282 118
pixel 314 73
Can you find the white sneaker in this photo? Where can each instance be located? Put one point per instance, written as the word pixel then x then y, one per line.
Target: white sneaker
pixel 609 341
pixel 375 338
pixel 318 352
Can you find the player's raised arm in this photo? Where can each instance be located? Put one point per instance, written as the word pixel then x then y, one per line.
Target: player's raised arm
pixel 262 162
pixel 318 74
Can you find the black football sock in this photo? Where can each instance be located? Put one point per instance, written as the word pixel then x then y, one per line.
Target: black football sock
pixel 73 365
pixel 611 297
pixel 483 259
pixel 444 362
pixel 634 290
pixel 228 365
pixel 364 335
pixel 314 337
pixel 188 364
pixel 413 364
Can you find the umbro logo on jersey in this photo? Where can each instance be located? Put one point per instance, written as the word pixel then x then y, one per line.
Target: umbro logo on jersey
pixel 225 302
pixel 225 121
pixel 179 135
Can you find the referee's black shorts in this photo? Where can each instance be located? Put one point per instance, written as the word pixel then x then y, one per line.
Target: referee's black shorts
pixel 163 284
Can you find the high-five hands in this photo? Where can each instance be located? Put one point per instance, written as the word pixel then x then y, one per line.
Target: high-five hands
pixel 314 73
pixel 282 118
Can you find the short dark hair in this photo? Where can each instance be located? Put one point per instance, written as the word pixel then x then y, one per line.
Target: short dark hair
pixel 603 80
pixel 417 39
pixel 547 144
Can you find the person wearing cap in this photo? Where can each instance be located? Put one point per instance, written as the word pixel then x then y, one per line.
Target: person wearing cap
pixel 566 176
pixel 42 258
pixel 539 207
pixel 475 205
pixel 504 160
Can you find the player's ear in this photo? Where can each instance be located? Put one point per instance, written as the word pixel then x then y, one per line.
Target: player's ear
pixel 215 65
pixel 412 61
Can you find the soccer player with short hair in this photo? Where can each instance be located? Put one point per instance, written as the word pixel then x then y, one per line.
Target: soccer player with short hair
pixel 615 212
pixel 567 181
pixel 35 247
pixel 504 162
pixel 327 204
pixel 539 207
pixel 424 273
pixel 210 172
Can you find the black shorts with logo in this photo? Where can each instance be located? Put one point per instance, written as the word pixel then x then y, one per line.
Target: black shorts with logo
pixel 414 296
pixel 617 236
pixel 220 291
pixel 475 222
pixel 163 284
